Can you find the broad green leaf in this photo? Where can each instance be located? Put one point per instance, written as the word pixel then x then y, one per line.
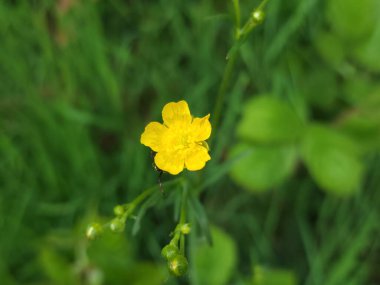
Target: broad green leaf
pixel 263 167
pixel 367 53
pixel 352 20
pixel 145 273
pixel 269 120
pixel 320 87
pixel 56 267
pixel 357 88
pixel 269 276
pixel 363 123
pixel 330 48
pixel 333 160
pixel 214 264
pixel 112 255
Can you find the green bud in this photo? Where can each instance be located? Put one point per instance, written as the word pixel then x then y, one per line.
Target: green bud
pixel 93 231
pixel 119 210
pixel 117 225
pixel 185 229
pixel 169 251
pixel 258 16
pixel 178 265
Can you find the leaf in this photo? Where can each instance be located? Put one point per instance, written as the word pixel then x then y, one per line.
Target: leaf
pixel 267 276
pixel 201 217
pixel 320 88
pixel 333 160
pixel 56 268
pixel 330 48
pixel 145 273
pixel 263 167
pixel 351 19
pixel 214 265
pixel 367 53
pixel 269 120
pixel 364 128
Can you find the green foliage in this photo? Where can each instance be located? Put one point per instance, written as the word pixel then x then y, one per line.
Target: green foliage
pixel 215 264
pixel 262 167
pixel 268 276
pixel 269 120
pixel 332 160
pixel 80 80
pixel 352 20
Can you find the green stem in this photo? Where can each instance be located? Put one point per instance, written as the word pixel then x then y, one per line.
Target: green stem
pixel 237 14
pixel 140 198
pixel 262 5
pixel 224 86
pixel 182 219
pixel 240 36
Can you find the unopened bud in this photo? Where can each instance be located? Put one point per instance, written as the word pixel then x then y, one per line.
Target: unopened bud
pixel 119 210
pixel 258 16
pixel 178 265
pixel 185 229
pixel 117 225
pixel 169 251
pixel 93 231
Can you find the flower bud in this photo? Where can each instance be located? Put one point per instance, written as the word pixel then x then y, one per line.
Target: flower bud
pixel 117 225
pixel 178 265
pixel 185 229
pixel 119 210
pixel 258 16
pixel 93 231
pixel 169 251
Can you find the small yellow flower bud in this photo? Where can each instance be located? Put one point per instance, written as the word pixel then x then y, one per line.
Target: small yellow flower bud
pixel 117 225
pixel 169 251
pixel 178 265
pixel 93 231
pixel 185 229
pixel 258 16
pixel 119 210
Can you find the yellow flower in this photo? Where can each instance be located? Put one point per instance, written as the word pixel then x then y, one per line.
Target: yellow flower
pixel 180 140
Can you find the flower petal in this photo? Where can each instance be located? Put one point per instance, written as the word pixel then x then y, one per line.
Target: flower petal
pixel 196 158
pixel 201 128
pixel 153 136
pixel 176 114
pixel 172 162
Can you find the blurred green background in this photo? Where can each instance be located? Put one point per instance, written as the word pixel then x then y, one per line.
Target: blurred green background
pixel 292 193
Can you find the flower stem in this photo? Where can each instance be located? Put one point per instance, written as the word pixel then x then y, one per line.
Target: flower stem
pixel 182 219
pixel 240 36
pixel 140 198
pixel 231 59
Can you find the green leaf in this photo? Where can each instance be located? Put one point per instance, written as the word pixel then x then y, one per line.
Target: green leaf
pixel 333 160
pixel 56 268
pixel 330 48
pixel 320 88
pixel 367 53
pixel 269 120
pixel 267 276
pixel 144 273
pixel 364 130
pixel 352 20
pixel 214 265
pixel 262 167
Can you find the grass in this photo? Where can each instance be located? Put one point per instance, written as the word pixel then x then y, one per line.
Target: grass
pixel 78 85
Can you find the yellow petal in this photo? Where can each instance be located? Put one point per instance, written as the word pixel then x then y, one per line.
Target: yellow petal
pixel 172 162
pixel 196 158
pixel 153 136
pixel 201 128
pixel 176 114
